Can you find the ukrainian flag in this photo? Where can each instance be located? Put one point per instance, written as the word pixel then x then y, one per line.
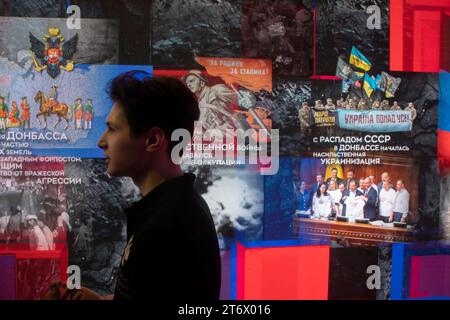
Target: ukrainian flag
pixel 377 81
pixel 359 60
pixel 369 85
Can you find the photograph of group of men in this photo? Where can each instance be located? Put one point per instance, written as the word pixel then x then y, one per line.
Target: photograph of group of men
pixel 30 217
pixel 306 115
pixel 354 197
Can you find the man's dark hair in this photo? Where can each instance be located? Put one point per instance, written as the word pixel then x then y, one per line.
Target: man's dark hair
pixel 161 102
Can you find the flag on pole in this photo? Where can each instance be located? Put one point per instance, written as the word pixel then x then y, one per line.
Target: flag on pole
pixel 359 60
pixel 369 84
pixel 389 84
pixel 345 71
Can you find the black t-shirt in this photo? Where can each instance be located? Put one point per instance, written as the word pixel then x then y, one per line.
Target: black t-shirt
pixel 172 251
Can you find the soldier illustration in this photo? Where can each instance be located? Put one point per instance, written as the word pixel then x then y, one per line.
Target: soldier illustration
pixel 263 112
pixel 303 116
pixel 3 113
pixel 13 117
pixel 410 107
pixel 213 101
pixel 25 116
pixel 88 114
pixel 53 98
pixel 78 109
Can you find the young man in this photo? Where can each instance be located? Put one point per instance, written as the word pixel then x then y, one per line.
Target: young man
pixel 172 252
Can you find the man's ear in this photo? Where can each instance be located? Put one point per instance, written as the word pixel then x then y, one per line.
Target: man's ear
pixel 155 139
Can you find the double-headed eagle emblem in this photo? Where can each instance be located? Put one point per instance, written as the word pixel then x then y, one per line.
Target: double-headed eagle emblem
pixel 54 54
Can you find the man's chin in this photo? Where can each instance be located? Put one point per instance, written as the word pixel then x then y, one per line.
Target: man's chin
pixel 113 173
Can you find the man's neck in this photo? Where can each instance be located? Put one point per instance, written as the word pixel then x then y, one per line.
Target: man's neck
pixel 152 179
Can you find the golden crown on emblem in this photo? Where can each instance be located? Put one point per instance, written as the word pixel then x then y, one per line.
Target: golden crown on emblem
pixel 53 31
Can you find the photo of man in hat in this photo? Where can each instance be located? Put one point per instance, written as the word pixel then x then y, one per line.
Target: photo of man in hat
pixel 215 112
pixel 25 115
pixel 37 237
pixel 3 113
pixel 78 109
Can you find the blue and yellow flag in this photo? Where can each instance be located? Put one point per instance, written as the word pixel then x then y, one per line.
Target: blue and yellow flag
pixel 369 85
pixel 360 74
pixel 377 81
pixel 359 60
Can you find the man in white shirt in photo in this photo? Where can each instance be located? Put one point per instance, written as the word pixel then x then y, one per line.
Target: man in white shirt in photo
pixel 352 203
pixel 37 237
pixel 401 203
pixel 387 195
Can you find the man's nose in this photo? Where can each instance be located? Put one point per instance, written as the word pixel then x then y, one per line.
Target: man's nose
pixel 102 143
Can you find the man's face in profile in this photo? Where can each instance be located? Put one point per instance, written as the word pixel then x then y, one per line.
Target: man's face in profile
pixel 124 153
pixel 194 83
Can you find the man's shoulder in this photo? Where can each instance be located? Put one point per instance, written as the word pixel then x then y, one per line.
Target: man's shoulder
pixel 183 211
